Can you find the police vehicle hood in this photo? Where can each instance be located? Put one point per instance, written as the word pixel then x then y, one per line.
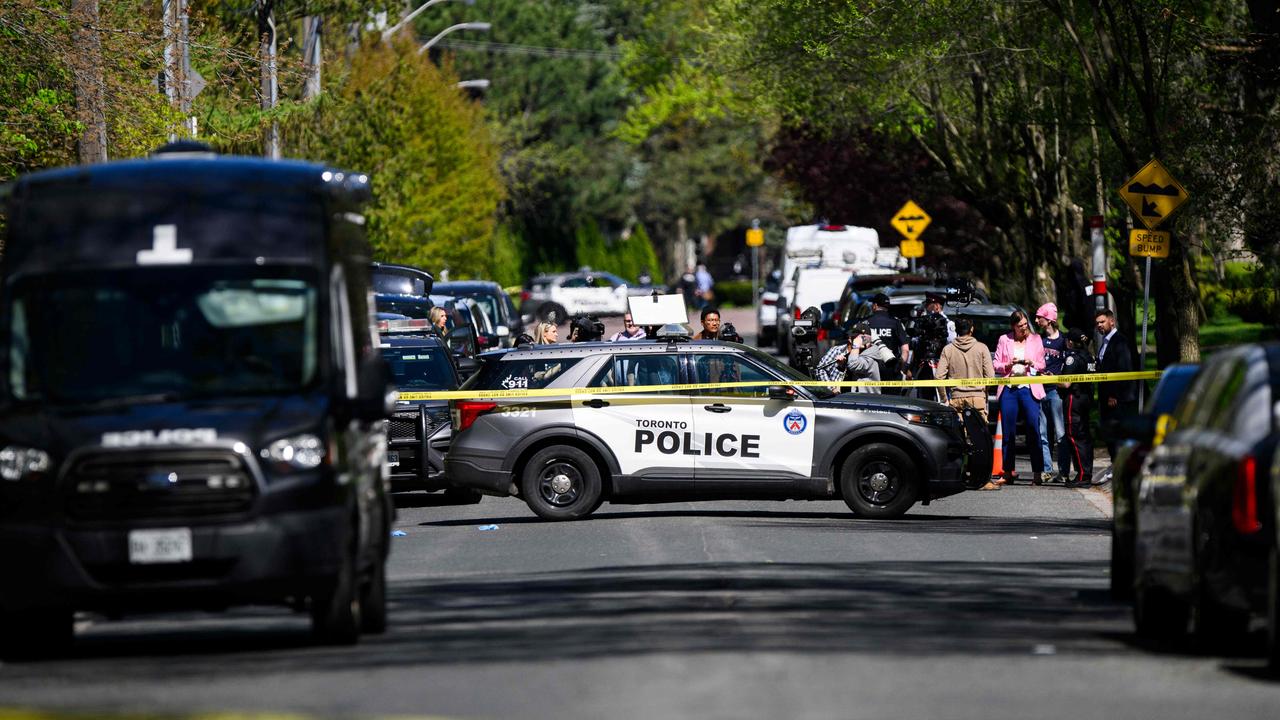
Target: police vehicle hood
pixel 255 421
pixel 887 403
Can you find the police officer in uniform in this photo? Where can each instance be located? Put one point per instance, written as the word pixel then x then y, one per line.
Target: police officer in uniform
pixel 889 331
pixel 1076 446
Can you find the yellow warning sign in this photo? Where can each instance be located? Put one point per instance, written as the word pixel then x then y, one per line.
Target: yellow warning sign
pixel 911 248
pixel 1149 243
pixel 1153 194
pixel 755 237
pixel 911 220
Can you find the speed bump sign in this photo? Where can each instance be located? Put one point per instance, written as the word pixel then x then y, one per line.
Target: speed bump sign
pixel 1148 243
pixel 1153 194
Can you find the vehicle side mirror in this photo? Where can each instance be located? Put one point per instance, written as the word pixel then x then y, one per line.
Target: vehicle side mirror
pixel 785 393
pixel 467 366
pixel 376 392
pixel 503 331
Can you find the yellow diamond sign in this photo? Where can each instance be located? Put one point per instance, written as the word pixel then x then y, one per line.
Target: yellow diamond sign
pixel 911 220
pixel 1153 194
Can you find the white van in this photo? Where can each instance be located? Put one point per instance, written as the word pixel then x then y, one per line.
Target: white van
pixel 844 246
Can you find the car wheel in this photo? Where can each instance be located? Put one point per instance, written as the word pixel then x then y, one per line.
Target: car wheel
pixel 1273 612
pixel 335 606
pixel 1213 625
pixel 32 634
pixel 879 481
pixel 1159 615
pixel 545 312
pixel 561 482
pixel 462 496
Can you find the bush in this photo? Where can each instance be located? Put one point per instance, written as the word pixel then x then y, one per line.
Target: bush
pixel 1257 305
pixel 1217 302
pixel 733 292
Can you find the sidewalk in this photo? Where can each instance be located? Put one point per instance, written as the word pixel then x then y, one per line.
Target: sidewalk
pixel 1099 495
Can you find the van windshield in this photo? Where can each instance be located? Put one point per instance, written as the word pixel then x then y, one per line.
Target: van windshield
pixel 169 334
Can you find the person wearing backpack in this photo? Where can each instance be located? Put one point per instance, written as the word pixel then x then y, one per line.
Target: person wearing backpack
pixel 967 357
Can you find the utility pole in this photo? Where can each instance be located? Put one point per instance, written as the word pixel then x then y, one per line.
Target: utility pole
pixel 87 72
pixel 312 29
pixel 267 74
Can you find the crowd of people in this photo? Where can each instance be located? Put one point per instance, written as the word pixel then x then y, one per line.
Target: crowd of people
pixel 1056 414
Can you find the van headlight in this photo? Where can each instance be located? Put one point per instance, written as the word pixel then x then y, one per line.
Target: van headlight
pixel 301 452
pixel 17 462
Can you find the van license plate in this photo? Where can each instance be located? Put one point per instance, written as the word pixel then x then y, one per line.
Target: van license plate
pixel 151 547
pixel 393 459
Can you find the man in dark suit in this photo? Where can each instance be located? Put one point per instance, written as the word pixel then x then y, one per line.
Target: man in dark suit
pixel 1119 398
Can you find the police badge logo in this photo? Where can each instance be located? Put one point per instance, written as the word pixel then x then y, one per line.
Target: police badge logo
pixel 795 422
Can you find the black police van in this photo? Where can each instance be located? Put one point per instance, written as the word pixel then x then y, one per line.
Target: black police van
pixel 192 407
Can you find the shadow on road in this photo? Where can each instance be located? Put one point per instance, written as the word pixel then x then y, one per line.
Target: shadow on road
pixel 915 523
pixel 906 608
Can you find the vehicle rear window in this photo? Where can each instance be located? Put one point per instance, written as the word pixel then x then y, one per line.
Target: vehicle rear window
pixel 384 282
pixel 519 374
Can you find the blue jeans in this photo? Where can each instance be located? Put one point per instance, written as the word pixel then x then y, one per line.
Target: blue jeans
pixel 1015 400
pixel 1050 412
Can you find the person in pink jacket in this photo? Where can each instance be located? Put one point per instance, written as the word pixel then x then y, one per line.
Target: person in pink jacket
pixel 1020 353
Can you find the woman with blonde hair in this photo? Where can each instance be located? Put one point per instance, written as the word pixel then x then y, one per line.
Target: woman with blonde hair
pixel 438 319
pixel 546 334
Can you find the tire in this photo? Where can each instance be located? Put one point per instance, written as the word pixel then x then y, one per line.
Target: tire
pixel 561 482
pixel 462 496
pixel 1213 626
pixel 335 606
pixel 373 598
pixel 36 634
pixel 1273 612
pixel 545 311
pixel 1121 565
pixel 879 481
pixel 1159 616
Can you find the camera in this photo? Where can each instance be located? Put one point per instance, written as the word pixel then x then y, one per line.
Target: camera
pixel 585 328
pixel 804 340
pixel 928 334
pixel 729 333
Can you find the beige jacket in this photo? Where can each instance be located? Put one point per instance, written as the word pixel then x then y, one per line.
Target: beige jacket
pixel 965 358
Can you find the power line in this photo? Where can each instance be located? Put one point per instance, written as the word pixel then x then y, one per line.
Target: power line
pixel 514 49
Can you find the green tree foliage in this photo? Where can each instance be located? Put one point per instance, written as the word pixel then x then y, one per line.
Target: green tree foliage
pixel 38 127
pixel 397 116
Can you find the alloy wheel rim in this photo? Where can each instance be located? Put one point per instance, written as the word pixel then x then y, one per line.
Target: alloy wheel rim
pixel 879 482
pixel 560 483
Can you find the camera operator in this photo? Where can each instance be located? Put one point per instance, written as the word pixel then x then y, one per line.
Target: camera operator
pixel 888 330
pixel 804 341
pixel 930 333
pixel 585 328
pixel 710 324
pixel 858 359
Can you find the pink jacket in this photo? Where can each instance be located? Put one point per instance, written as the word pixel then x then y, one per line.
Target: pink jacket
pixel 1003 360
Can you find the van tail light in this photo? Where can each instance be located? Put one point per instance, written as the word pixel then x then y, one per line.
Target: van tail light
pixel 469 410
pixel 768 302
pixel 1244 501
pixel 797 312
pixel 485 340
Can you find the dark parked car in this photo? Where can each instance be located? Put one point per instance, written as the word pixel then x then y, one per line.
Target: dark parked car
pixel 418 432
pixel 1206 525
pixel 1141 433
pixel 495 303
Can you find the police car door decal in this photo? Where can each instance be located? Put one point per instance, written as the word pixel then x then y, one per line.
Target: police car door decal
pixel 645 431
pixel 740 431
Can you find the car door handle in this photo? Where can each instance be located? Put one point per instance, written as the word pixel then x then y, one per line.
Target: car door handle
pixel 717 408
pixel 597 403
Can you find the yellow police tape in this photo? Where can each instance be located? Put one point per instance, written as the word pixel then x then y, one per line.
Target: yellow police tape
pixel 636 389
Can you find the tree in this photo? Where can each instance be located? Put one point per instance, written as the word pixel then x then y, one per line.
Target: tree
pixel 399 117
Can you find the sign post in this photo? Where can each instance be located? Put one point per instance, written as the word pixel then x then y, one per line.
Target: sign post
pixel 911 220
pixel 755 238
pixel 1153 194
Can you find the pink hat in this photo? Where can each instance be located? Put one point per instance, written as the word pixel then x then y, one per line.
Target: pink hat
pixel 1049 312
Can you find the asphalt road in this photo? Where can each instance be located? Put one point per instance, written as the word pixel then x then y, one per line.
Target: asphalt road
pixel 984 605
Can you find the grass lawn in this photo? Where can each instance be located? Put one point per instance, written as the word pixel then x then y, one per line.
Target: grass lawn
pixel 1218 334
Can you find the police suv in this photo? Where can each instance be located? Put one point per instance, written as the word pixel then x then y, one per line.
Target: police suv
pixel 566 454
